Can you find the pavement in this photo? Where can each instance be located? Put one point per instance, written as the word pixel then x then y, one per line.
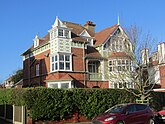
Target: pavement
pixel 2 121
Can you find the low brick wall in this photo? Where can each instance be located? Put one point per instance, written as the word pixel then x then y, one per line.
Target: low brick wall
pixel 75 118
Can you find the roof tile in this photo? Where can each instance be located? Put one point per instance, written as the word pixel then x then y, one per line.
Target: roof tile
pixel 104 34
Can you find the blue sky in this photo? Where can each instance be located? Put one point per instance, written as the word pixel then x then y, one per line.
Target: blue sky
pixel 21 20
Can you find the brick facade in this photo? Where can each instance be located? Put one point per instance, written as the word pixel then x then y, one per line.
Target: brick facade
pixel 162 76
pixel 70 55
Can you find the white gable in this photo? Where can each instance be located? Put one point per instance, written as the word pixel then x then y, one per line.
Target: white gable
pixel 84 33
pixel 58 23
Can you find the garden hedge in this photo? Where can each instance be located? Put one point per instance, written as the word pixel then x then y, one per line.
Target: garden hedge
pixel 59 104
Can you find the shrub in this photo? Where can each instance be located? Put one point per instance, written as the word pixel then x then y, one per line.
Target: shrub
pixel 59 104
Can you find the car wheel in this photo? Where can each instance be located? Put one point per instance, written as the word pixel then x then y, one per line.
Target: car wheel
pixel 151 121
pixel 120 122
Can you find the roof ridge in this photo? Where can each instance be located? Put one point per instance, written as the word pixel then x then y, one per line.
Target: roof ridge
pixel 71 23
pixel 107 28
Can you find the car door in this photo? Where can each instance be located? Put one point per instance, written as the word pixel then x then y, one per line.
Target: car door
pixel 141 113
pixel 130 116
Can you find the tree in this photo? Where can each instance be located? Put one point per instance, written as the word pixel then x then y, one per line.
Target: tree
pixel 138 72
pixel 142 77
pixel 17 76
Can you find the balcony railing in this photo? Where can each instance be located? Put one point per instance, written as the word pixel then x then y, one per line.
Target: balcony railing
pixel 95 76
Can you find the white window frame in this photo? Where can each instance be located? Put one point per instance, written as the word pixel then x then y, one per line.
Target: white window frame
pixel 64 34
pixel 36 43
pixel 94 67
pixel 37 69
pixel 59 84
pixel 115 66
pixel 128 85
pixel 57 63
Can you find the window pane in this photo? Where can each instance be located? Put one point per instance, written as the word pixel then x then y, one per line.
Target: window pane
pixel 123 62
pixel 66 33
pixel 52 67
pixel 56 66
pixel 53 59
pixel 64 85
pixel 124 84
pixel 53 85
pixel 131 108
pixel 140 107
pixel 90 68
pixel 119 68
pixel 37 70
pixel 62 65
pixel 120 85
pixel 60 32
pixel 67 58
pixel 61 57
pixel 128 68
pixel 110 62
pixel 118 62
pixel 110 69
pixel 115 85
pixel 67 66
pixel 56 58
pixel 127 62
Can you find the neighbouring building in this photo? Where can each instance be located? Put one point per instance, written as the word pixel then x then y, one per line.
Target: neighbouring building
pixel 157 67
pixel 75 56
pixel 8 83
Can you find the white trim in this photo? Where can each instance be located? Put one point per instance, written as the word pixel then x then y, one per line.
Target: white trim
pixel 59 84
pixel 161 89
pixel 27 56
pixel 58 62
pixel 85 32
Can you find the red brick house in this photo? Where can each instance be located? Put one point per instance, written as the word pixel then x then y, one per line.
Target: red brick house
pixel 157 67
pixel 71 55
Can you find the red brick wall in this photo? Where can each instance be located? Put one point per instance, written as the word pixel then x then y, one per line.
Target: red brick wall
pixel 44 64
pixel 78 64
pixel 75 118
pixel 162 76
pixel 101 84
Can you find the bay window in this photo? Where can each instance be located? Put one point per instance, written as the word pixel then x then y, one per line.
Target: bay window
pixel 119 65
pixel 93 67
pixel 61 62
pixel 63 84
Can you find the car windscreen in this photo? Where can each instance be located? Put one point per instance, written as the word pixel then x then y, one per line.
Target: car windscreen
pixel 115 109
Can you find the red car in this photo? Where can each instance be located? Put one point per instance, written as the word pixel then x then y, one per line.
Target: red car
pixel 160 117
pixel 126 114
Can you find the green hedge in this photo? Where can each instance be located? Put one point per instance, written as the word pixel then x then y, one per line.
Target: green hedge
pixel 59 104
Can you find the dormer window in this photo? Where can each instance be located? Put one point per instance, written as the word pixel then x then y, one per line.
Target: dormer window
pixel 90 41
pixel 60 32
pixel 36 42
pixel 63 33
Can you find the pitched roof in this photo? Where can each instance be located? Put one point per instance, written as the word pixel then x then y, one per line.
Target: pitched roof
pixel 104 34
pixel 118 54
pixel 93 53
pixel 53 77
pixel 41 41
pixel 77 28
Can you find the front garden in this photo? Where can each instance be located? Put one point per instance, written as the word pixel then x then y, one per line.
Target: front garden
pixel 47 104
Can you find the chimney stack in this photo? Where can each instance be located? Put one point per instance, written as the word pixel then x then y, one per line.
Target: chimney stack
pixel 90 26
pixel 145 56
